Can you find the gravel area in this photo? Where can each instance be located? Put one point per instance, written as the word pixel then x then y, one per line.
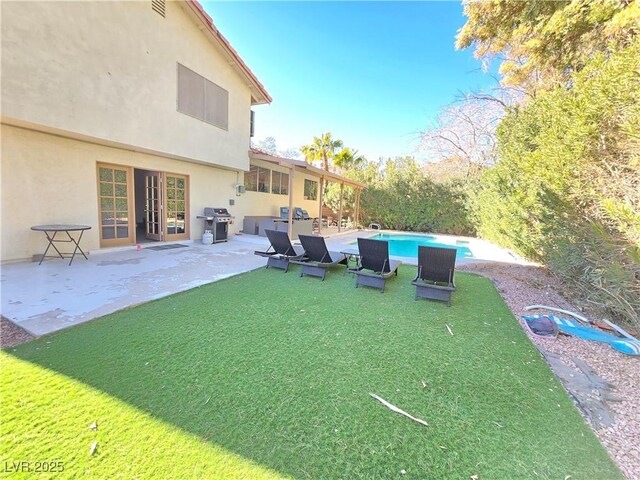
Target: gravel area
pixel 523 285
pixel 11 334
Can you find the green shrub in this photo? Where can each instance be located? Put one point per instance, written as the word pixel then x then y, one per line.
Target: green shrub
pixel 401 197
pixel 566 190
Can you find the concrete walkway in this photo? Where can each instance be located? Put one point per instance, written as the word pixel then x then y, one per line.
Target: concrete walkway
pixel 46 298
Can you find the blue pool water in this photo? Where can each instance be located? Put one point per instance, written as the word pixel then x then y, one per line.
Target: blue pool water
pixel 407 245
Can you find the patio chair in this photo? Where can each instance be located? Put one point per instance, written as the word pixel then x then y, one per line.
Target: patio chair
pixel 280 252
pixel 374 266
pixel 436 267
pixel 317 259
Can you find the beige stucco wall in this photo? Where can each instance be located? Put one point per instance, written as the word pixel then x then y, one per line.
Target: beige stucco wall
pixel 108 70
pixel 50 179
pixel 260 203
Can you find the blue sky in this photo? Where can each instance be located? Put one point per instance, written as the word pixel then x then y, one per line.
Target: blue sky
pixel 372 73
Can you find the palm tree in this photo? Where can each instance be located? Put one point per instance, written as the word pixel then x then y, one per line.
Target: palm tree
pixel 322 149
pixel 347 159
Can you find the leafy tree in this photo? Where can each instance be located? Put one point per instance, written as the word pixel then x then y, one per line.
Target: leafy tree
pixel 566 190
pixel 400 197
pixel 358 168
pixel 331 199
pixel 347 159
pixel 332 153
pixel 465 130
pixel 292 153
pixel 542 43
pixel 268 145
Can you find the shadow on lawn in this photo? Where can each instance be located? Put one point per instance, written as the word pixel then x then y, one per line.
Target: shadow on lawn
pixel 278 370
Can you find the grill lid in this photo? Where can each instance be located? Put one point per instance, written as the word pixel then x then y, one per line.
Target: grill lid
pixel 216 212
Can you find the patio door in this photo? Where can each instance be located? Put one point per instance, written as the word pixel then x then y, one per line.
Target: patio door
pixel 153 205
pixel 176 207
pixel 115 204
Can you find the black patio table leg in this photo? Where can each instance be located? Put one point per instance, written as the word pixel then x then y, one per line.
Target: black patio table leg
pixel 77 244
pixel 51 233
pixel 355 258
pixel 51 239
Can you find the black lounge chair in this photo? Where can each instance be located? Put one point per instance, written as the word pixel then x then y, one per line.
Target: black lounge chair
pixel 436 267
pixel 374 266
pixel 280 252
pixel 317 259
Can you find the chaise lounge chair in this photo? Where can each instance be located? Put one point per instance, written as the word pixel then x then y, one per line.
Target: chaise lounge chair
pixel 436 267
pixel 280 252
pixel 317 259
pixel 374 266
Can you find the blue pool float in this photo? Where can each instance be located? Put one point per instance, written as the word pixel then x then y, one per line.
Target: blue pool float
pixel 627 346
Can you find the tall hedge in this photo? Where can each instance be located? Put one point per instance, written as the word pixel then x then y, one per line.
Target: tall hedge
pixel 566 190
pixel 401 197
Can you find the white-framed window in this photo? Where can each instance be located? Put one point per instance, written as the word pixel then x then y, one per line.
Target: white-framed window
pixel 280 183
pixel 310 189
pixel 202 99
pixel 264 179
pixel 251 179
pixel 258 179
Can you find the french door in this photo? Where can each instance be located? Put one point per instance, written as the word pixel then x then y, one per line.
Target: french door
pixel 176 206
pixel 166 205
pixel 115 204
pixel 153 205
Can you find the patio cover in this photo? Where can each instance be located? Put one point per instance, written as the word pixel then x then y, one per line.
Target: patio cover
pixel 322 175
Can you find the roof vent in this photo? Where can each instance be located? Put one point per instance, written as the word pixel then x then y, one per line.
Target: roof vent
pixel 158 6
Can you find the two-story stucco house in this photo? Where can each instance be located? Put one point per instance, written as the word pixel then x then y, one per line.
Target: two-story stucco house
pixel 130 117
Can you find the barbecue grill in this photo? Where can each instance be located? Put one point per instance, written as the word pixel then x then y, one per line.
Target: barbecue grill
pixel 217 220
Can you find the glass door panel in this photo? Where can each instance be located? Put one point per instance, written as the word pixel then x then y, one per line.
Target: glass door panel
pixel 115 203
pixel 153 205
pixel 176 207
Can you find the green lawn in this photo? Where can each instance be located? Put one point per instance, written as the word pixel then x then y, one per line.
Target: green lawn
pixel 267 375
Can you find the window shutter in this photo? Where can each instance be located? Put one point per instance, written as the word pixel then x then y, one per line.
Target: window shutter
pixel 191 93
pixel 202 99
pixel 217 105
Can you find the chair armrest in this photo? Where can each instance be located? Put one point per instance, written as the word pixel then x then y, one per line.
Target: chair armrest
pixel 418 275
pixel 384 267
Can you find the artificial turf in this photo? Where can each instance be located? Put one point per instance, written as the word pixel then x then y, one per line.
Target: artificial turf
pixel 268 375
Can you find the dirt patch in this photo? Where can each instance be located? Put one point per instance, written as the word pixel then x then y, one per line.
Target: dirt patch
pixel 12 335
pixel 522 285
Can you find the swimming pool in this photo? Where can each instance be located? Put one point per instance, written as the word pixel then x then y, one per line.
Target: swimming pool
pixel 407 245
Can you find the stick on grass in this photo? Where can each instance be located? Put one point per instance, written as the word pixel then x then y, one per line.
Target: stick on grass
pixel 398 410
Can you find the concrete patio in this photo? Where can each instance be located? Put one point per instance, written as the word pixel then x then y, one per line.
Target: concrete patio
pixel 46 298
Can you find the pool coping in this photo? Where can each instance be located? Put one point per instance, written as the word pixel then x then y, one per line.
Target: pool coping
pixel 482 250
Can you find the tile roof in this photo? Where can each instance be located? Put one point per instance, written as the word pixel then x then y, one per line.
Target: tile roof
pixel 207 21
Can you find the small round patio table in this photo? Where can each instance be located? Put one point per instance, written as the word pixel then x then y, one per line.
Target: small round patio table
pixel 51 231
pixel 352 254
